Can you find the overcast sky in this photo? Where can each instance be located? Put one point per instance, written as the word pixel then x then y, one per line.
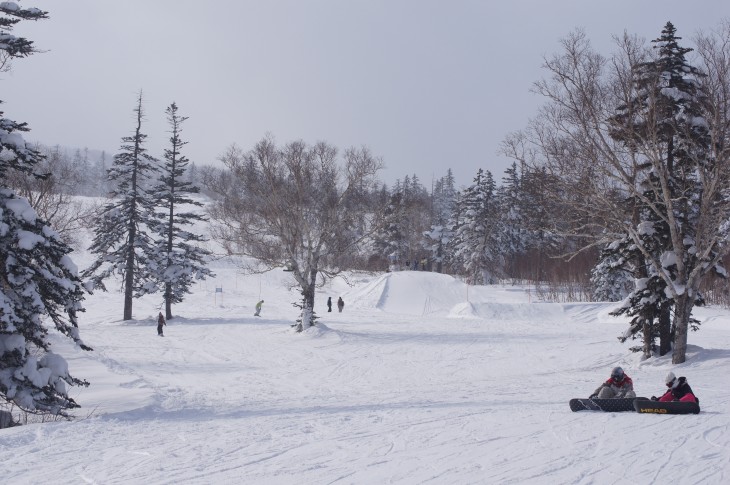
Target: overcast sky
pixel 427 85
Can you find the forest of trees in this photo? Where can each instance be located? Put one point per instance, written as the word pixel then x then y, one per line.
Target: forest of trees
pixel 618 189
pixel 517 227
pixel 486 232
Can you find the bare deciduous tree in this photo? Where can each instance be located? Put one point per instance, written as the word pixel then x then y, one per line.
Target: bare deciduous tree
pixel 51 195
pixel 293 206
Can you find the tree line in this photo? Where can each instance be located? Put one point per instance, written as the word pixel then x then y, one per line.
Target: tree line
pixel 625 167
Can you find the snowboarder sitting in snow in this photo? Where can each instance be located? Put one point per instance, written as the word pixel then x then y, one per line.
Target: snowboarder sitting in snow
pixel 678 390
pixel 619 385
pixel 160 323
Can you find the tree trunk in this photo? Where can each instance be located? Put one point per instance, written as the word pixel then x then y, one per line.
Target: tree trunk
pixel 129 281
pixel 168 301
pixel 170 227
pixel 132 229
pixel 646 330
pixel 682 313
pixel 665 329
pixel 307 317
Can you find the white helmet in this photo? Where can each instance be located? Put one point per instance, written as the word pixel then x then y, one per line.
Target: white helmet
pixel 671 380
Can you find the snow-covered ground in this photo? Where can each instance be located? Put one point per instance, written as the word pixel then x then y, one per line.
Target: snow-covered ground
pixel 420 379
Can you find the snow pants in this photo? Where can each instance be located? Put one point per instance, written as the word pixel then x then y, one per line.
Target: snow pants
pixel 608 393
pixel 689 397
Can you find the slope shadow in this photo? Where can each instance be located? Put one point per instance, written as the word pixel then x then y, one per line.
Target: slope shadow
pixel 202 321
pixel 153 412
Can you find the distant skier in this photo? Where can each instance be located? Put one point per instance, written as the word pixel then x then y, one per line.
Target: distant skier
pixel 340 304
pixel 160 324
pixel 329 304
pixel 258 308
pixel 678 390
pixel 619 385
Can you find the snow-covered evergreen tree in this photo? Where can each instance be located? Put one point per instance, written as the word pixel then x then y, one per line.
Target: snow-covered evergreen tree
pixel 476 242
pixel 406 217
pixel 514 236
pixel 415 218
pixel 623 274
pixel 438 236
pixel 178 258
pixel 122 240
pixel 648 304
pixel 613 277
pixel 390 240
pixel 38 279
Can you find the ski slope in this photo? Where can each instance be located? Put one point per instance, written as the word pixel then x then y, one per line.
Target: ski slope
pixel 420 379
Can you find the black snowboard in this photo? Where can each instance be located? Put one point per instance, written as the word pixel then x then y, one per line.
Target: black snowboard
pixel 672 407
pixel 608 405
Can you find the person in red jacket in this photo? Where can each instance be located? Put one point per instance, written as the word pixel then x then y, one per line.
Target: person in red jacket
pixel 619 385
pixel 679 390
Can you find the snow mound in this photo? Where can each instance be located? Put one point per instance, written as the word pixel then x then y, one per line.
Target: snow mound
pixel 421 293
pixel 515 311
pixel 463 310
pixel 410 293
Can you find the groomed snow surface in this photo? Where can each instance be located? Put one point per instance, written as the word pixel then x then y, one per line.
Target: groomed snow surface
pixel 420 379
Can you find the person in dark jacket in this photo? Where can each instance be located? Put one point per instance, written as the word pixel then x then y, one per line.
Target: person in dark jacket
pixel 340 304
pixel 160 323
pixel 619 385
pixel 678 390
pixel 258 308
pixel 329 304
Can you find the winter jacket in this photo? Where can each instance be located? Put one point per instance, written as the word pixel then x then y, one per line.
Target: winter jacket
pixel 620 388
pixel 160 323
pixel 680 392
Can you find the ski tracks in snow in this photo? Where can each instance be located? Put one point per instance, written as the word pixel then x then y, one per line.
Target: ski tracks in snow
pixel 380 393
